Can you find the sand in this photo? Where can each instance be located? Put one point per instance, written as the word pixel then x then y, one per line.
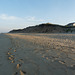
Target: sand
pixel 37 54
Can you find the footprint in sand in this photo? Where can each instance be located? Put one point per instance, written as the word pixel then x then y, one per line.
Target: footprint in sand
pixel 9 53
pixel 21 60
pixel 12 61
pixel 72 67
pixel 16 73
pixel 14 50
pixel 22 72
pixel 10 58
pixel 10 48
pixel 62 62
pixel 18 66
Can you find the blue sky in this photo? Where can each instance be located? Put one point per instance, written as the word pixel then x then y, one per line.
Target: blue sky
pixel 16 14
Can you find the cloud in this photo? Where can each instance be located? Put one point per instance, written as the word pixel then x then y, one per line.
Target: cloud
pixel 6 17
pixel 33 19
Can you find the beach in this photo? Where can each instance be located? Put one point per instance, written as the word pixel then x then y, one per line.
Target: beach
pixel 37 54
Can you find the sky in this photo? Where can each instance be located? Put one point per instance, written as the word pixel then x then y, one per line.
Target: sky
pixel 19 14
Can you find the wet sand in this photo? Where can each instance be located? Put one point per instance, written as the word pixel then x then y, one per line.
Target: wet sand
pixel 37 54
pixel 5 67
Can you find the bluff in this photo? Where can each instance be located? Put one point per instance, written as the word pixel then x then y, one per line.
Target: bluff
pixel 45 28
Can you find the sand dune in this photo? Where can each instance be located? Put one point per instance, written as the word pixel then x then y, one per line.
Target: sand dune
pixel 37 54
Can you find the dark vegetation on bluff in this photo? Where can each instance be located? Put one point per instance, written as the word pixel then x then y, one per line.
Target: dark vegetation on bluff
pixel 46 28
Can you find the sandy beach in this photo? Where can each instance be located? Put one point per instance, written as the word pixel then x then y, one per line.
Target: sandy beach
pixel 37 54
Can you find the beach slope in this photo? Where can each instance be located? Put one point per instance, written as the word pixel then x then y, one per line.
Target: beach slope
pixel 37 54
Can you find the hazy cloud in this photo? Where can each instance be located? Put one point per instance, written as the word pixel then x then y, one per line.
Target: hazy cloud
pixel 33 19
pixel 26 19
pixel 6 17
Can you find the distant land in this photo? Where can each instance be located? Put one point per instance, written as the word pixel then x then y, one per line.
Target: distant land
pixel 47 28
